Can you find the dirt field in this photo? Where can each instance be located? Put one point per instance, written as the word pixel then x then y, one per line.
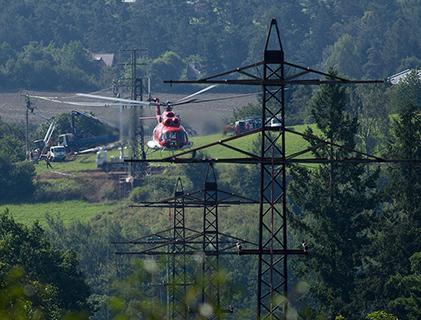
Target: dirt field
pixel 199 116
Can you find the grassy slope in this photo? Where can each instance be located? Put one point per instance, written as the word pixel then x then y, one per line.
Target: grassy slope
pixel 69 211
pixel 294 143
pixel 83 211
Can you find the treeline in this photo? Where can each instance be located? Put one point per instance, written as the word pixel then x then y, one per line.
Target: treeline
pixel 44 44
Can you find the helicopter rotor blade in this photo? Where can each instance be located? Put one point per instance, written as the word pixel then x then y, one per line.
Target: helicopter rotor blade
pixel 53 99
pixel 216 99
pixel 75 103
pixel 196 93
pixel 102 104
pixel 123 101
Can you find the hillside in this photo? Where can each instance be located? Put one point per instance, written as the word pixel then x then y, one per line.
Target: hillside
pixel 47 45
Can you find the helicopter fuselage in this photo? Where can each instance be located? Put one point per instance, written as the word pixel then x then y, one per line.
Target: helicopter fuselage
pixel 169 134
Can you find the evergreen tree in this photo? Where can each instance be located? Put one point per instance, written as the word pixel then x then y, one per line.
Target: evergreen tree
pixel 397 235
pixel 337 200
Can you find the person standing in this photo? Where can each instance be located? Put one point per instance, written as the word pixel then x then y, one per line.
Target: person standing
pixel 47 161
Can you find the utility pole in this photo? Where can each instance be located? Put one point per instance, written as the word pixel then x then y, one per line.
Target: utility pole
pixel 28 104
pixel 136 132
pixel 28 107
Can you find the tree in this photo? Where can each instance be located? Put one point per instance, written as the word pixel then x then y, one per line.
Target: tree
pixel 250 110
pixel 412 282
pixel 380 315
pixel 92 243
pixel 374 121
pixel 396 236
pixel 345 56
pixel 169 66
pixel 336 201
pixel 52 277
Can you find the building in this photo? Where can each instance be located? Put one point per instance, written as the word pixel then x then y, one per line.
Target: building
pixel 396 78
pixel 104 59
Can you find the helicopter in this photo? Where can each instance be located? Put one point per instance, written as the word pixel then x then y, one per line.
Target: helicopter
pixel 168 134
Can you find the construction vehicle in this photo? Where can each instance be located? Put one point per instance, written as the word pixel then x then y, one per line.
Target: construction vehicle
pixel 76 142
pixel 115 164
pixel 42 146
pixel 57 153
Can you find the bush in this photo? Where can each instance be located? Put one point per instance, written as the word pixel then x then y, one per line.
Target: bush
pixel 15 178
pixel 60 190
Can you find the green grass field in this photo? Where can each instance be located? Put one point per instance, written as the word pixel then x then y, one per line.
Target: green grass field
pixel 69 211
pixel 83 162
pixel 294 143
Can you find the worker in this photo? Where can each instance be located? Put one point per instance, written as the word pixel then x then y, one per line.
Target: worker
pixel 237 129
pixel 305 247
pixel 47 161
pixel 239 247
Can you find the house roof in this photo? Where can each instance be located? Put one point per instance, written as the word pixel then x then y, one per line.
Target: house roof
pixel 192 72
pixel 396 78
pixel 104 59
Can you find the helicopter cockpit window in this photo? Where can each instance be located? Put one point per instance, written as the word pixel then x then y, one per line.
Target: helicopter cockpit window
pixel 174 135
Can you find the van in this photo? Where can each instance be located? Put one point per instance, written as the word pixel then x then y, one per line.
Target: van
pixel 274 122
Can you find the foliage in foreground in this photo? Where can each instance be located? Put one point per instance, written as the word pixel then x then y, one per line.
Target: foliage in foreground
pixel 38 281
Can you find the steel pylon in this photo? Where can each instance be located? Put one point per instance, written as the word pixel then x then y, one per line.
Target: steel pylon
pixel 179 242
pixel 178 282
pixel 210 246
pixel 270 75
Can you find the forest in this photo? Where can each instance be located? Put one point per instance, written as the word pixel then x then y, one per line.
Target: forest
pixel 45 44
pixel 361 222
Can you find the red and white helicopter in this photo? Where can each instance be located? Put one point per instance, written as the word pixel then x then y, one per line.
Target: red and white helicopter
pixel 168 134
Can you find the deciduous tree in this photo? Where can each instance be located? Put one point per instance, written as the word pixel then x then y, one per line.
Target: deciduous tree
pixel 54 285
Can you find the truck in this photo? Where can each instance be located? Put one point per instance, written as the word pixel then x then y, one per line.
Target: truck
pixel 115 164
pixel 75 141
pixel 57 153
pixel 247 124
